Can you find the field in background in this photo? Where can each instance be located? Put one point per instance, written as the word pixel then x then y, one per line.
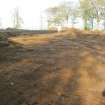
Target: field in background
pixel 65 68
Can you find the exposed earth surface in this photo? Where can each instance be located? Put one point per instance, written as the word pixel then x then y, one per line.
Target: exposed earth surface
pixel 66 68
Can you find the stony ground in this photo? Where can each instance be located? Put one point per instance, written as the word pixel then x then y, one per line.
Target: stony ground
pixel 56 69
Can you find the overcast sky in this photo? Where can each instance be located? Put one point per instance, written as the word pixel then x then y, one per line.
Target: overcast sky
pixel 30 11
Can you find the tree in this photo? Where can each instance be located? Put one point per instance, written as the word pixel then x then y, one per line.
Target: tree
pixel 60 14
pixel 69 11
pixel 52 16
pixel 17 20
pixel 92 9
pixel 86 12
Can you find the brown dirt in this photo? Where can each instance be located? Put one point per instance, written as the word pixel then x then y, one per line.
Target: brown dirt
pixel 57 69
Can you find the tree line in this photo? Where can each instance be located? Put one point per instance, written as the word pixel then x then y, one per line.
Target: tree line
pixel 88 10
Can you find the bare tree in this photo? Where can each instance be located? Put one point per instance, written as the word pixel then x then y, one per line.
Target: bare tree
pixel 17 20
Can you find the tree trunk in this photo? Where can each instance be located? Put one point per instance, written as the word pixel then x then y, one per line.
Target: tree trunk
pixel 85 24
pixel 92 23
pixel 67 19
pixel 98 22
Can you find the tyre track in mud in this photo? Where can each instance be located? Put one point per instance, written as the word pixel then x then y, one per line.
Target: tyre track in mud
pixel 92 71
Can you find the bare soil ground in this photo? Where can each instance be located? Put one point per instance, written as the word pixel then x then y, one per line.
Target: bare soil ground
pixel 65 68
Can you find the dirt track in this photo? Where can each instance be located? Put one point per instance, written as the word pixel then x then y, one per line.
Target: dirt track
pixel 59 70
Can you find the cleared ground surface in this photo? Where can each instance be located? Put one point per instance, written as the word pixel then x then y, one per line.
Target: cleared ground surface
pixel 55 69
